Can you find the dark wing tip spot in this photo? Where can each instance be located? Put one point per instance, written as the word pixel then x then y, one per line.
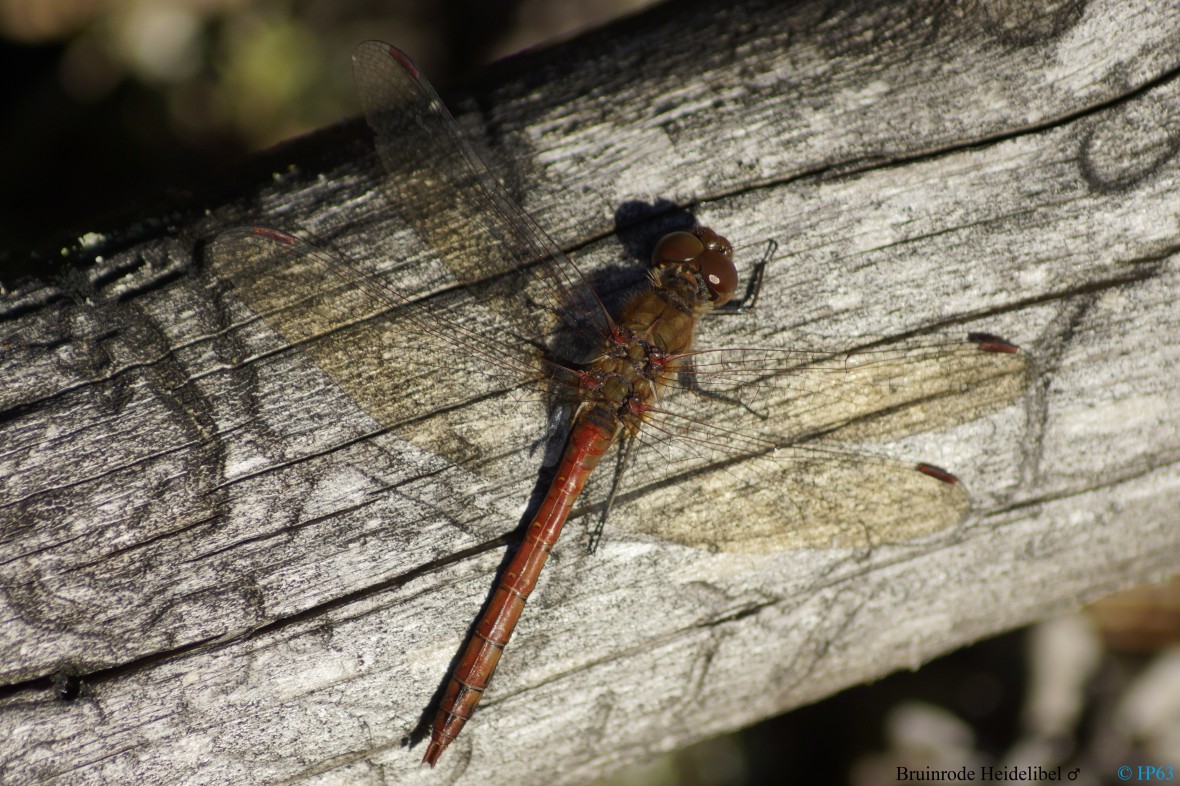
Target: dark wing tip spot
pixel 991 343
pixel 404 61
pixel 938 473
pixel 275 235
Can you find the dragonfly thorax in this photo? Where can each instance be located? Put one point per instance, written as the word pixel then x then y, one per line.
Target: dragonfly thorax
pixel 624 386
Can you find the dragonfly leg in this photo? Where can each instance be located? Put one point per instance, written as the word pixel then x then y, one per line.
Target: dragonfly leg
pixel 624 456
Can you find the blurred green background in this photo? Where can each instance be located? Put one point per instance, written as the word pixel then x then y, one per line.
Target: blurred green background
pixel 111 103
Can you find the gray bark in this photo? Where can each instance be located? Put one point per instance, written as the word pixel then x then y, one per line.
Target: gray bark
pixel 245 578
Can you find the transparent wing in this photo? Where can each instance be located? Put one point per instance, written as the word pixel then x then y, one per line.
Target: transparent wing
pixel 407 361
pixel 884 392
pixel 777 453
pixel 439 186
pixel 801 496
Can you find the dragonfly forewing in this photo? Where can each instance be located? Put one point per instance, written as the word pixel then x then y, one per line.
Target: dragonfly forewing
pixel 889 391
pixel 439 186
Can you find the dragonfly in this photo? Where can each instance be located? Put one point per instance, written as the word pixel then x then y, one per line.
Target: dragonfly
pixel 479 301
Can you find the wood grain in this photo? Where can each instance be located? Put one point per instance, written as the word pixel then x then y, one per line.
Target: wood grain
pixel 237 574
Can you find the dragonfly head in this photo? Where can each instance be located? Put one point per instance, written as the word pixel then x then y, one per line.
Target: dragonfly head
pixel 706 254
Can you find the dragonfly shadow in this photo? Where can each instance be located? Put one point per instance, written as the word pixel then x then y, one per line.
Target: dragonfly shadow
pixel 640 225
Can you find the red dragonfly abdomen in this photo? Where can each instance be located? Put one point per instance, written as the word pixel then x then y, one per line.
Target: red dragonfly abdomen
pixel 589 439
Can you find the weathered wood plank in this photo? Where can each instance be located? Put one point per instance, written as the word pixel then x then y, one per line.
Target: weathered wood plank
pixel 255 582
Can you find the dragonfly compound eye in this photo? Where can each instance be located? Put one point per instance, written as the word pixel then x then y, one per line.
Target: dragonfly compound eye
pixel 720 275
pixel 713 241
pixel 676 248
pixel 716 265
